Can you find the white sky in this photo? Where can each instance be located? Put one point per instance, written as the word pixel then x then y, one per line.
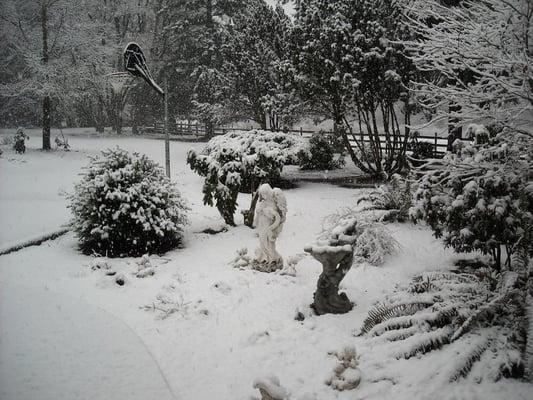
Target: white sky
pixel 289 7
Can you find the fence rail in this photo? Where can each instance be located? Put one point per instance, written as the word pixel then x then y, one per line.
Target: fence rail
pixel 195 130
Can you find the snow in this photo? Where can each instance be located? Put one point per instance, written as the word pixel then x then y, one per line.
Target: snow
pixel 197 328
pixel 55 346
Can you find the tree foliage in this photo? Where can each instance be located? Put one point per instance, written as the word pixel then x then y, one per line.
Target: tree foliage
pixel 254 50
pixel 348 64
pixel 240 162
pixel 480 199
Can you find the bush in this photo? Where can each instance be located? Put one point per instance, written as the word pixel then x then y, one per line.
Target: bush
pixel 240 162
pixel 319 155
pixel 19 141
pixel 479 200
pixel 394 198
pixel 374 244
pixel 126 206
pixel 422 150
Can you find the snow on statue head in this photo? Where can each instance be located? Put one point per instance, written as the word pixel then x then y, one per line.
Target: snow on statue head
pixel 270 215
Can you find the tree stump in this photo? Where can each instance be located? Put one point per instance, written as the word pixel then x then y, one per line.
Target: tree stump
pixel 336 257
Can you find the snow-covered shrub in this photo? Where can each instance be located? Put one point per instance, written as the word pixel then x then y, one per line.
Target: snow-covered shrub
pixel 480 200
pixel 319 155
pixel 374 241
pixel 394 197
pixel 472 322
pixel 19 141
pixel 124 205
pixel 374 244
pixel 240 162
pixel 478 133
pixel 421 151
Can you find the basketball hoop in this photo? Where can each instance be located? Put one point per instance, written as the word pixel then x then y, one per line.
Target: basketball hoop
pixel 118 81
pixel 135 64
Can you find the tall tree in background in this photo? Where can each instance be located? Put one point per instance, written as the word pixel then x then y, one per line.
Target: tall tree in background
pixel 49 48
pixel 348 65
pixel 492 42
pixel 188 43
pixel 254 48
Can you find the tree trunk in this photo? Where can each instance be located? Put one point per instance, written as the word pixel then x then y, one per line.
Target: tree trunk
pixel 99 117
pixel 46 99
pixel 249 215
pixel 46 123
pixel 263 122
pixel 209 14
pixel 209 129
pixel 454 129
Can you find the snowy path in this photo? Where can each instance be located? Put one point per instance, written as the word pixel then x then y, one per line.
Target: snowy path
pixel 54 346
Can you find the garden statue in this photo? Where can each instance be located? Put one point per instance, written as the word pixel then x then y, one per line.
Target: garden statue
pixel 336 257
pixel 270 215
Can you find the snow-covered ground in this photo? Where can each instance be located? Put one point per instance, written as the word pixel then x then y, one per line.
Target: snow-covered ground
pixel 70 332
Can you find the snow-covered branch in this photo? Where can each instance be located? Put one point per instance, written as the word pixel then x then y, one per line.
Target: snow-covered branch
pixel 475 57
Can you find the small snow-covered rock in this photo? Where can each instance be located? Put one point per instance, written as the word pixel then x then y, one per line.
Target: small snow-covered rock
pixel 346 375
pixel 271 389
pixel 120 279
pixel 99 263
pixel 144 262
pixel 143 273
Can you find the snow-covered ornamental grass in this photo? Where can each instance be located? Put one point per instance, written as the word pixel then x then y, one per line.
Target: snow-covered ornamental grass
pixel 124 205
pixel 240 162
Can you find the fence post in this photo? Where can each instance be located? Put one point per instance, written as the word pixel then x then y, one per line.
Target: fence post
pixel 436 154
pixel 301 133
pixel 196 126
pixel 189 130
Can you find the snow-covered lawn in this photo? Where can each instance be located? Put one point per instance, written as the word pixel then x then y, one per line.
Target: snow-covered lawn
pixel 198 329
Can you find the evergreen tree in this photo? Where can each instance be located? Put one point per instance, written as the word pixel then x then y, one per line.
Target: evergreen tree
pixel 348 65
pixel 188 42
pixel 254 49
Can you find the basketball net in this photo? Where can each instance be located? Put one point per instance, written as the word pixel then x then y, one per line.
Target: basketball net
pixel 118 81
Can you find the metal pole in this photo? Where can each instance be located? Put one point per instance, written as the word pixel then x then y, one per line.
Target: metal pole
pixel 167 137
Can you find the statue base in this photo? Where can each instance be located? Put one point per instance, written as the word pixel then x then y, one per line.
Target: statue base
pixel 264 266
pixel 327 300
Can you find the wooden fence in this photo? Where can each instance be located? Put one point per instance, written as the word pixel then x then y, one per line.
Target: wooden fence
pixel 194 130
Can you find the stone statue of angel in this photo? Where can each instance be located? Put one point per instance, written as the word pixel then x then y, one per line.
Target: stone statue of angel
pixel 270 215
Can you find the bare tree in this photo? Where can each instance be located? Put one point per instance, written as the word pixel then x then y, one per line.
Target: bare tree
pixel 477 60
pixel 51 50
